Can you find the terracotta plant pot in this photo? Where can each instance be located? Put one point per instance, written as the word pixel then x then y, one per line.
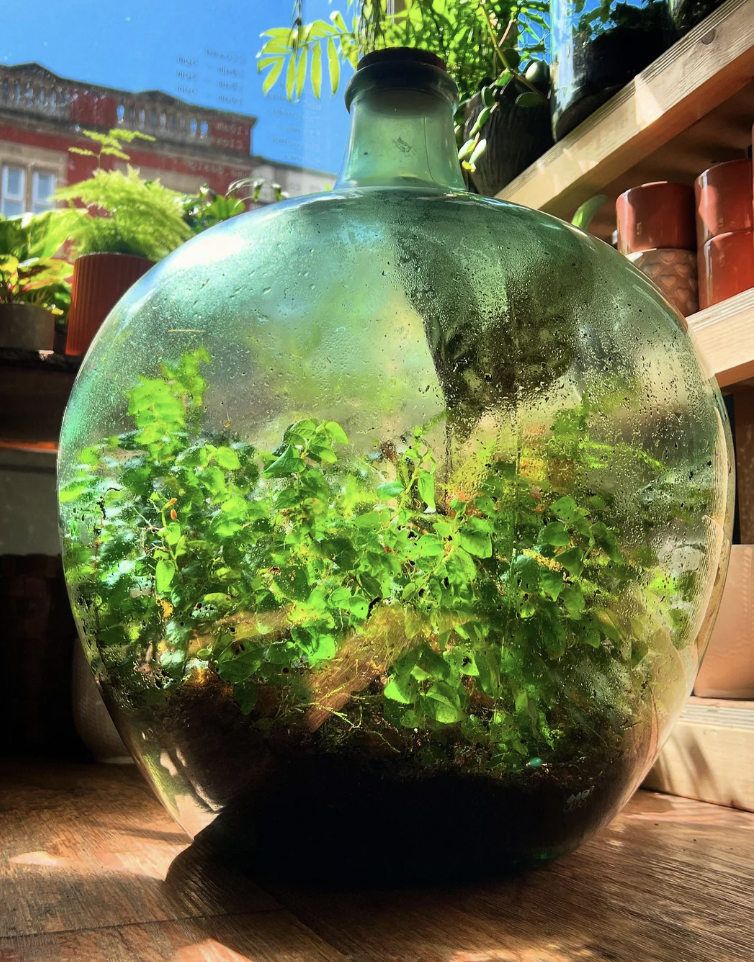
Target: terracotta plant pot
pixel 99 282
pixel 656 216
pixel 674 274
pixel 725 267
pixel 728 667
pixel 516 137
pixel 26 327
pixel 723 200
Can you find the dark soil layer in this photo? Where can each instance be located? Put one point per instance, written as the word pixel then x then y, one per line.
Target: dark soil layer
pixel 603 66
pixel 289 810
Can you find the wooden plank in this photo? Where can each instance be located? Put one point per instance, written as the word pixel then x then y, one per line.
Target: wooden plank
pixel 670 879
pixel 724 335
pixel 86 846
pixel 664 882
pixel 701 71
pixel 707 756
pixel 267 937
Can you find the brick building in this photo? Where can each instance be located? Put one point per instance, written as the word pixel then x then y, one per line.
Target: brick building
pixel 42 115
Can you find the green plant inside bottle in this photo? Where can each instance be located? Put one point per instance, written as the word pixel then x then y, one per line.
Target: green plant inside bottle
pixel 301 575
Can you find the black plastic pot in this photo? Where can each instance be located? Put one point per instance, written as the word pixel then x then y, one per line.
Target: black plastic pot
pixel 516 137
pixel 593 58
pixel 26 327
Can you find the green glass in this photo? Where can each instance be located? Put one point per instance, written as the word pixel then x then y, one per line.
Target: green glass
pixel 395 518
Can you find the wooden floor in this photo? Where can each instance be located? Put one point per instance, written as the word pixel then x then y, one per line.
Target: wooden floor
pixel 93 870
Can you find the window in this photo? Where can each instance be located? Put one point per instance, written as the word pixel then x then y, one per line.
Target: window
pixel 43 187
pixel 13 196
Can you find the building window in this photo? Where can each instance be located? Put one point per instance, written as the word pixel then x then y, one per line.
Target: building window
pixel 43 187
pixel 204 128
pixel 13 196
pixel 121 113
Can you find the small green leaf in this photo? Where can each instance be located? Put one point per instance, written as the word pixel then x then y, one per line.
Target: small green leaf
pixel 468 149
pixel 552 582
pixel 488 97
pixel 287 464
pixel 426 485
pixel 390 489
pixel 403 691
pixel 336 432
pixel 554 533
pixel 173 533
pixel 475 538
pixel 573 602
pixel 163 576
pixel 227 459
pixel 237 668
pixel 245 694
pixel 572 560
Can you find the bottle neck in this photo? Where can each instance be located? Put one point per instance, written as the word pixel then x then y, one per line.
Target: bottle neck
pixel 401 137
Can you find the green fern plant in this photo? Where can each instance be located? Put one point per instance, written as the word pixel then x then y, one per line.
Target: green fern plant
pixel 125 214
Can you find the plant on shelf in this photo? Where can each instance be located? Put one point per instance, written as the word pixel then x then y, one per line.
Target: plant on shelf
pixel 600 48
pixel 29 271
pixel 207 208
pixel 341 595
pixel 125 213
pixel 127 224
pixel 493 51
pixel 35 291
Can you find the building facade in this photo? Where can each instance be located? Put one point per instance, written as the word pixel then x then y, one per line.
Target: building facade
pixel 42 115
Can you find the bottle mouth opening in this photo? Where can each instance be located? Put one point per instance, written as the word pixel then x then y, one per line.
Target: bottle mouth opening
pixel 407 67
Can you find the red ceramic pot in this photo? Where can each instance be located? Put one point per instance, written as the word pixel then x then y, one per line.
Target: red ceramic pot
pixel 723 200
pixel 725 267
pixel 99 282
pixel 658 215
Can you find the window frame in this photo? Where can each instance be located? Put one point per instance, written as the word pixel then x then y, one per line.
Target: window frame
pixel 12 198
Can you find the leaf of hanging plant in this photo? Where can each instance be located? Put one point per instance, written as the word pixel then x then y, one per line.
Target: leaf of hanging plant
pixel 317 70
pixel 290 77
pixel 334 65
pixel 478 151
pixel 585 214
pixel 529 99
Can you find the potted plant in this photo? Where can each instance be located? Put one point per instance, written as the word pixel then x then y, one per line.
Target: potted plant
pixel 597 51
pixel 207 208
pixel 34 287
pixel 491 50
pixel 129 224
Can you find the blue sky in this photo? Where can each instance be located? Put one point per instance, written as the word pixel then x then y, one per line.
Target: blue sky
pixel 146 44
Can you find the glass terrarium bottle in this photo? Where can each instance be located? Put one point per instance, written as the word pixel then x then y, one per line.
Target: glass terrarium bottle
pixel 395 518
pixel 598 46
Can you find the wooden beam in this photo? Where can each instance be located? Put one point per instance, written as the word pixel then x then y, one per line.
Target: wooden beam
pixel 724 335
pixel 701 71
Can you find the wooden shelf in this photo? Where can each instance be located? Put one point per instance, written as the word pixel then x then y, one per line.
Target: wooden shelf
pixel 724 334
pixel 700 73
